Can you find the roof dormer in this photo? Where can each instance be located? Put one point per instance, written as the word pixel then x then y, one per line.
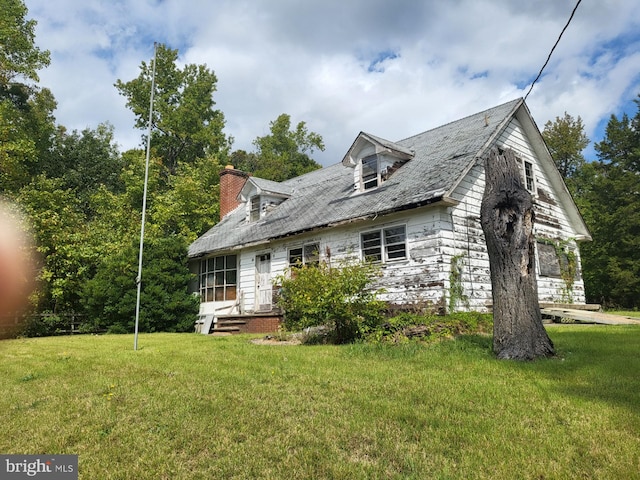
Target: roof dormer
pixel 374 160
pixel 261 196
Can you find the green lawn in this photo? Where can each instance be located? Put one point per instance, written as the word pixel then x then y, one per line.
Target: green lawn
pixel 627 313
pixel 187 406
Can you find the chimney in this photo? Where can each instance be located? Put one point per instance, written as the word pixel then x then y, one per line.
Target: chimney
pixel 231 182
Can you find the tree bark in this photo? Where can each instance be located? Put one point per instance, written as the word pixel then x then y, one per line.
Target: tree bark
pixel 507 219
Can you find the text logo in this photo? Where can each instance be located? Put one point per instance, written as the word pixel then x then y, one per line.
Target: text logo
pixel 49 467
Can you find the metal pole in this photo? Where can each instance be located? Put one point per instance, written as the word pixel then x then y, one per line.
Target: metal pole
pixel 144 198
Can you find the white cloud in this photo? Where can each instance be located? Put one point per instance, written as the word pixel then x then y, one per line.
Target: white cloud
pixel 440 60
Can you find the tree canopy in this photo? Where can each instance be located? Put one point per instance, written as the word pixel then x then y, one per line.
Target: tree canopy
pixel 19 55
pixel 611 206
pixel 566 140
pixel 185 124
pixel 285 152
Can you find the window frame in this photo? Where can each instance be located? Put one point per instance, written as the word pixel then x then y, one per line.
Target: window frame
pixel 305 257
pixel 529 176
pixel 217 275
pixel 387 249
pixel 374 177
pixel 255 208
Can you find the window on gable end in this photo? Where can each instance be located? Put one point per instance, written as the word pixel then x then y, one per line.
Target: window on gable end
pixel 528 176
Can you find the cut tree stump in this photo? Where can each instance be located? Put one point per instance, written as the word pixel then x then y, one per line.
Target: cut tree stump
pixel 507 219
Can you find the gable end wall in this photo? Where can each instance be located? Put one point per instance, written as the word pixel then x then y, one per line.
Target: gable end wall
pixel 467 239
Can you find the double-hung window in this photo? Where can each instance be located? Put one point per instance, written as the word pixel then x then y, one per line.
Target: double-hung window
pixel 385 245
pixel 308 254
pixel 254 212
pixel 528 176
pixel 219 278
pixel 370 172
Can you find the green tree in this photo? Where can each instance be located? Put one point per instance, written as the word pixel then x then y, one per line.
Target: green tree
pixel 85 161
pixel 166 304
pixel 19 56
pixel 59 230
pixel 26 121
pixel 611 202
pixel 566 140
pixel 186 125
pixel 285 153
pixel 190 205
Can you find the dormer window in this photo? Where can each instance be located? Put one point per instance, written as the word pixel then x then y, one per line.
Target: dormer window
pixel 254 212
pixel 261 196
pixel 374 160
pixel 376 169
pixel 370 172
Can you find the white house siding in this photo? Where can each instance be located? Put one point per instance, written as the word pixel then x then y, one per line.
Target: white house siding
pixel 419 279
pixel 467 243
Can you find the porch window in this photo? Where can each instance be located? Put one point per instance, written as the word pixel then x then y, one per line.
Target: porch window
pixel 308 254
pixel 384 245
pixel 219 278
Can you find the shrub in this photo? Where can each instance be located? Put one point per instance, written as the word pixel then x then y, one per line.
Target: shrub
pixel 340 298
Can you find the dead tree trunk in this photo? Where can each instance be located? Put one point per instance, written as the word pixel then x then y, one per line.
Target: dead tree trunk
pixel 507 222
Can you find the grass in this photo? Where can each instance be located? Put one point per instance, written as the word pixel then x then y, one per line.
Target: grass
pixel 187 406
pixel 627 313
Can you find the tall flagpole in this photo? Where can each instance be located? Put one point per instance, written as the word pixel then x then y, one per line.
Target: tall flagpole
pixel 144 197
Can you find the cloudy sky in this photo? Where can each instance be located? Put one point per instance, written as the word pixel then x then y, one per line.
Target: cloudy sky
pixel 393 68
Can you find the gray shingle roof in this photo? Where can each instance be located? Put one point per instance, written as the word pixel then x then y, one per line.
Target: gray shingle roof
pixel 325 197
pixel 269 186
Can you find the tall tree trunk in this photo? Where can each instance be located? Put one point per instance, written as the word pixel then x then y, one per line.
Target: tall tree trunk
pixel 507 222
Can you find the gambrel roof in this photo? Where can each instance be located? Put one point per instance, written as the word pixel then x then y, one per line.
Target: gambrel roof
pixel 440 159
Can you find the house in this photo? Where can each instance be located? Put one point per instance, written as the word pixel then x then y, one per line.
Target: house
pixel 412 205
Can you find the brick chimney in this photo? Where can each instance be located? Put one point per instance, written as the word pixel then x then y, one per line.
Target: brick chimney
pixel 231 182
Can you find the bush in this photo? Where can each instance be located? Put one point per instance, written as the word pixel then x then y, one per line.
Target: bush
pixel 340 298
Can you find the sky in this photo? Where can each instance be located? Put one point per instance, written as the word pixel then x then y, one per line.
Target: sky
pixel 389 68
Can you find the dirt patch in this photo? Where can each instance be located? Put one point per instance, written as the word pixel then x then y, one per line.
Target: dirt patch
pixel 269 340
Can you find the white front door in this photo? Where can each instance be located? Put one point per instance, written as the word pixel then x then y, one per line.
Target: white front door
pixel 263 282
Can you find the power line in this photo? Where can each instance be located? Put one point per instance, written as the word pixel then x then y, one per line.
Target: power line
pixel 554 47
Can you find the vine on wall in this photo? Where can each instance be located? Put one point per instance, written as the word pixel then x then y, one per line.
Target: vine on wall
pixel 568 261
pixel 456 289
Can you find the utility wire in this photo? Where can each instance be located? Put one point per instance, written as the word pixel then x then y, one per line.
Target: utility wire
pixel 554 47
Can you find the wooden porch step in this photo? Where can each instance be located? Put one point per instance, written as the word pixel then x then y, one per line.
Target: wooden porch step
pixel 217 329
pixel 230 322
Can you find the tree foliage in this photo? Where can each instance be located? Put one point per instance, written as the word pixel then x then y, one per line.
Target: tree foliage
pixel 611 206
pixel 59 229
pixel 19 56
pixel 166 305
pixel 285 153
pixel 566 140
pixel 185 124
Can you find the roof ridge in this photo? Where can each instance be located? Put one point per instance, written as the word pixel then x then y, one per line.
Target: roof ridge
pixel 515 100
